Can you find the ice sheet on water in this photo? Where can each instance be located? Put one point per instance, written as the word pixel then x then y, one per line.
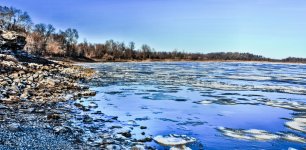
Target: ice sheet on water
pixel 162 96
pixel 209 76
pixel 248 77
pixel 260 135
pixel 218 86
pixel 175 141
pixel 291 105
pixel 293 138
pixel 298 123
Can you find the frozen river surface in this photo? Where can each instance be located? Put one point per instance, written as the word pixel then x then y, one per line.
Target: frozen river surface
pixel 222 105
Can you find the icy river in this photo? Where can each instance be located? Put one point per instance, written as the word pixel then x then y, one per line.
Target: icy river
pixel 221 105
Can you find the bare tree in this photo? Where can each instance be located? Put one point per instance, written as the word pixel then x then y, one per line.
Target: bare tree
pixel 14 19
pixel 71 37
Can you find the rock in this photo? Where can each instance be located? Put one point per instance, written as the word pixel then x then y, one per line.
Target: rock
pixel 61 129
pixel 108 141
pixel 145 139
pixel 2 117
pixel 53 116
pixel 31 79
pixel 3 107
pixel 10 100
pixel 97 112
pixel 24 95
pixel 27 110
pixel 14 127
pixel 98 141
pixel 16 80
pixel 50 82
pixel 87 93
pixel 95 141
pixel 87 119
pixel 39 110
pixel 11 40
pixel 126 133
pixel 79 105
pixel 143 127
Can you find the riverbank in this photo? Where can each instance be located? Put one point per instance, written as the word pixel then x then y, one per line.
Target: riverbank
pixel 57 105
pixel 31 89
pixel 38 109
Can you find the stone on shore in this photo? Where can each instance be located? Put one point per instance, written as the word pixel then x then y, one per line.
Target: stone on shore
pixel 14 127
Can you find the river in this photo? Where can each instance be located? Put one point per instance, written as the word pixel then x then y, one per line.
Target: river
pixel 227 105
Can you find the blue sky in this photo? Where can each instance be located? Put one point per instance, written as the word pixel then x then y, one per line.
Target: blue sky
pixel 273 28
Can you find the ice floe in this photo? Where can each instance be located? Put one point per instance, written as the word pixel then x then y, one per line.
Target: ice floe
pixel 177 142
pixel 221 101
pixel 252 134
pixel 248 77
pixel 292 105
pixel 298 123
pixel 259 135
pixel 293 138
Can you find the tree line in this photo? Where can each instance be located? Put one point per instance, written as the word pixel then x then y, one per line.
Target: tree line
pixel 45 40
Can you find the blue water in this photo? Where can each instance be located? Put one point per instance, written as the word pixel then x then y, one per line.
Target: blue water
pixel 166 98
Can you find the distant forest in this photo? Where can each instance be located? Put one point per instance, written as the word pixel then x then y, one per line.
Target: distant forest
pixel 45 40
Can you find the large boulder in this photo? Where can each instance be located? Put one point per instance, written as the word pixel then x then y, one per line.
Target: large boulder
pixel 12 40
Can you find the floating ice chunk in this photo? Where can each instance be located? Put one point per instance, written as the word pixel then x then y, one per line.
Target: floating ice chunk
pixel 92 105
pixel 252 134
pixel 255 78
pixel 261 135
pixel 180 148
pixel 236 87
pixel 204 102
pixel 287 105
pixel 177 142
pixel 265 137
pixel 293 138
pixel 255 131
pixel 173 140
pixel 283 89
pixel 216 85
pixel 298 123
pixel 234 133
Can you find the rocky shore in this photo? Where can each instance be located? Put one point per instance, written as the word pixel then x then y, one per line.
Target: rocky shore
pixel 38 108
pixel 30 89
pixel 44 105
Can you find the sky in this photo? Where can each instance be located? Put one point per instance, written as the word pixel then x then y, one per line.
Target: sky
pixel 272 28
